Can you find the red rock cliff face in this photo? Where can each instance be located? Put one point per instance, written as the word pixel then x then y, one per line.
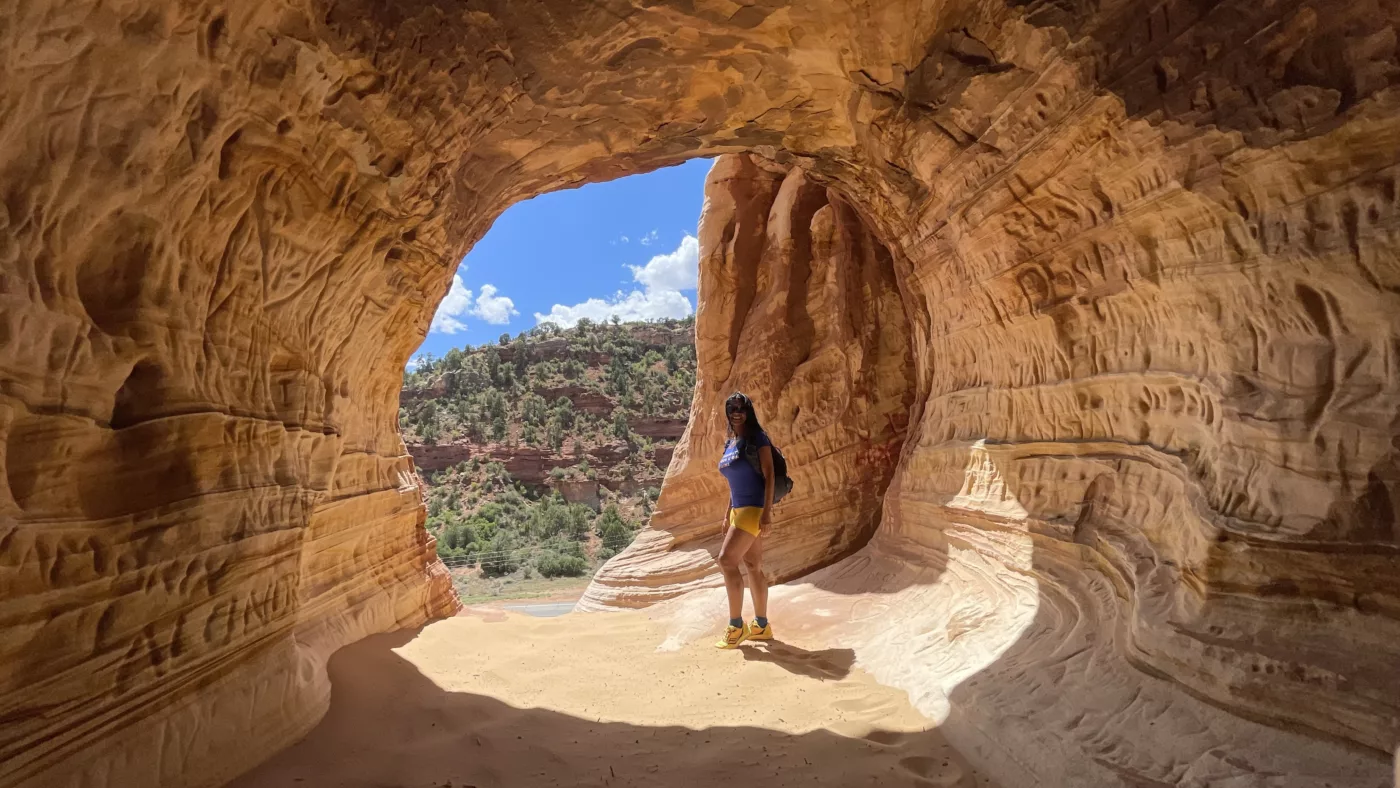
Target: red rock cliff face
pixel 1129 268
pixel 800 309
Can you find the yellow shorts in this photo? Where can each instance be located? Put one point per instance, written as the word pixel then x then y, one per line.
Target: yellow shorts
pixel 746 518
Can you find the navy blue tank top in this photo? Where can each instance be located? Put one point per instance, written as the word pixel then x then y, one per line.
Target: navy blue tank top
pixel 746 485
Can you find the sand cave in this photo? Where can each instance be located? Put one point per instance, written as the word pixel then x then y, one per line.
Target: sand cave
pixel 1078 321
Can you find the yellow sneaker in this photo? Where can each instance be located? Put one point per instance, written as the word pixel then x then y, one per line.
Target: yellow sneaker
pixel 757 632
pixel 733 636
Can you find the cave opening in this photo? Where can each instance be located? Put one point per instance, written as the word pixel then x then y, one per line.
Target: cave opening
pixel 776 241
pixel 557 376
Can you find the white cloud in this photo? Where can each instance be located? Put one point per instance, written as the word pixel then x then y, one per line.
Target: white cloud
pixel 649 238
pixel 678 270
pixel 458 302
pixel 663 277
pixel 624 239
pixel 492 308
pixel 635 305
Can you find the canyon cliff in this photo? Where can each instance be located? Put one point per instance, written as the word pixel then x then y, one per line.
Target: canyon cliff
pixel 1078 323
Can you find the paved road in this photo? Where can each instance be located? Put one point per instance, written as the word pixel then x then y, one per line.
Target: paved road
pixel 545 610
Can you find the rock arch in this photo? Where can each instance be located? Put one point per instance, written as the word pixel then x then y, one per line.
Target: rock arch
pixel 1150 241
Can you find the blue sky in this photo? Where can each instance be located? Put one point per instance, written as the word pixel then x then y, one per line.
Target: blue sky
pixel 626 247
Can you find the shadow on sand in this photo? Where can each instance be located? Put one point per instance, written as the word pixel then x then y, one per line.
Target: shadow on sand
pixel 832 664
pixel 389 725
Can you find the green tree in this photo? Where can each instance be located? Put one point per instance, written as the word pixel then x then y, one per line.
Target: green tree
pixel 553 564
pixel 452 361
pixel 533 409
pixel 427 411
pixel 650 399
pixel 430 433
pixel 474 375
pixel 474 429
pixel 500 556
pixel 494 403
pixel 564 411
pixel 553 520
pixel 618 375
pixel 614 532
pixel 620 428
pixel 493 365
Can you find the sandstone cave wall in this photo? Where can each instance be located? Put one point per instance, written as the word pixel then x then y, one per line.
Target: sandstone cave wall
pixel 1161 315
pixel 1138 258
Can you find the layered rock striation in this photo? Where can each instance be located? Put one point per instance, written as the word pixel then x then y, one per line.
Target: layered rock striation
pixel 1077 320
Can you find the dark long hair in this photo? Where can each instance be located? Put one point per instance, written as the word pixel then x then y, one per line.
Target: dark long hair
pixel 751 426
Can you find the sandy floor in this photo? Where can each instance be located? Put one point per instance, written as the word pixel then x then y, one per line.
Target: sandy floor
pixel 495 700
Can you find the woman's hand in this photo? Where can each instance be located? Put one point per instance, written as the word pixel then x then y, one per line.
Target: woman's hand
pixel 765 521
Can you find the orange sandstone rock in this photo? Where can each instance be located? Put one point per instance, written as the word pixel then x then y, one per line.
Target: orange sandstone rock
pixel 1096 295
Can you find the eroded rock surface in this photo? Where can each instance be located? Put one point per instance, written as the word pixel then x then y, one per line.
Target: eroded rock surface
pixel 800 309
pixel 1085 553
pixel 1129 268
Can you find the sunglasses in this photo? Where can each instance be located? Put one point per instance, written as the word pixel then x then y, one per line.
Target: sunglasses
pixel 732 409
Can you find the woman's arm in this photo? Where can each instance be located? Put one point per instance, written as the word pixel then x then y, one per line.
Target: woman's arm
pixel 724 529
pixel 765 461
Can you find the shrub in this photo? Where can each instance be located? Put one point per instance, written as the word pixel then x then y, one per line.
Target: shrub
pixel 429 433
pixel 500 556
pixel 552 564
pixel 564 411
pixel 533 409
pixel 620 428
pixel 553 519
pixel 614 532
pixel 452 360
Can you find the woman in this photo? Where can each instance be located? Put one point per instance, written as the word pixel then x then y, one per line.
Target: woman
pixel 750 511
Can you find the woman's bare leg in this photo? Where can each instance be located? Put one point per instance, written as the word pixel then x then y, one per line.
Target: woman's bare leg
pixel 736 545
pixel 758 584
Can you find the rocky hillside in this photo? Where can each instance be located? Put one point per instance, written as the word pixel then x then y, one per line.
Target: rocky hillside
pixel 545 451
